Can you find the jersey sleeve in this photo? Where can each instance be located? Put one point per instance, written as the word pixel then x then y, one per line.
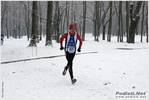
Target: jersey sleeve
pixel 80 39
pixel 62 38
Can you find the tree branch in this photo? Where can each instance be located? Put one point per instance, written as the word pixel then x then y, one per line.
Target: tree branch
pixel 109 19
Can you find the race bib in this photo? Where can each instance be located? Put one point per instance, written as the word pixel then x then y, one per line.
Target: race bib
pixel 71 49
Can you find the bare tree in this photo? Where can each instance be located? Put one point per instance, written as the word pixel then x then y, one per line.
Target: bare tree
pixel 67 23
pixel 49 24
pixel 147 22
pixel 120 23
pixel 134 21
pixel 74 13
pixel 95 19
pixel 98 15
pixel 127 18
pixel 34 24
pixel 122 29
pixel 16 20
pixel 84 20
pixel 4 10
pixel 7 25
pixel 19 25
pixel 27 17
pixel 54 29
pixel 40 19
pixel 110 24
pixel 142 23
pixel 105 11
pixel 28 22
pixel 57 21
pixel 72 19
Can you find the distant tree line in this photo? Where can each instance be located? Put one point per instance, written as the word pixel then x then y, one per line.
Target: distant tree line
pixel 50 19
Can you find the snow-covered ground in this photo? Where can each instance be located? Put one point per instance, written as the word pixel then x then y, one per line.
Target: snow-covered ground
pixel 99 75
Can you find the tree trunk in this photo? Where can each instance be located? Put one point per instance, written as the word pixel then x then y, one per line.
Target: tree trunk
pixel 103 32
pixel 84 20
pixel 54 29
pixel 67 15
pixel 75 7
pixel 49 24
pixel 72 12
pixel 19 24
pixel 142 23
pixel 53 22
pixel 14 24
pixel 40 10
pixel 4 9
pixel 64 21
pixel 7 26
pixel 110 24
pixel 34 24
pixel 94 20
pixel 28 24
pixel 122 29
pixel 134 21
pixel 121 23
pixel 58 22
pixel 97 20
pixel 98 13
pixel 105 11
pixel 127 19
pixel 147 24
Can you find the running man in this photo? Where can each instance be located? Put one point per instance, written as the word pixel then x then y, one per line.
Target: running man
pixel 71 38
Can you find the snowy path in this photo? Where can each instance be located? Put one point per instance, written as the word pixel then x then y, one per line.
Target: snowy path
pixel 98 75
pixel 47 57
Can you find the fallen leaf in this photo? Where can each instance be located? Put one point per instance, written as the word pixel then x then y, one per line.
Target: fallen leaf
pixel 133 87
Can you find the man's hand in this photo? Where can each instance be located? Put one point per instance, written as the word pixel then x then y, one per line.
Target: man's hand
pixel 61 48
pixel 79 49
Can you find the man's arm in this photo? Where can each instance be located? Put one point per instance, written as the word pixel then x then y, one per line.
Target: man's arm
pixel 62 38
pixel 80 39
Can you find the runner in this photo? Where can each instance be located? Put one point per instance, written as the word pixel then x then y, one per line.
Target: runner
pixel 71 38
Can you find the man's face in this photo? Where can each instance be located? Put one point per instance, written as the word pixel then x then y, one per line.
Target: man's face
pixel 73 29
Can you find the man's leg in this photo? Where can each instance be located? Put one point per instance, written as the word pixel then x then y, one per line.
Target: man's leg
pixel 71 69
pixel 69 57
pixel 71 65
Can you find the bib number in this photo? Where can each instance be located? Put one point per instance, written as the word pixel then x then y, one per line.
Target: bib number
pixel 71 49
